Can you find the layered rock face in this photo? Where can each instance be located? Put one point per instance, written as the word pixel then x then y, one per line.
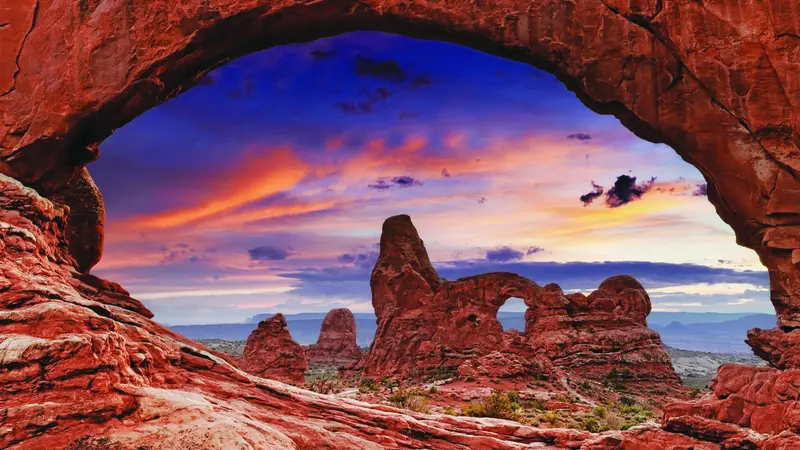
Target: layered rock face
pixel 337 340
pixel 425 322
pixel 600 336
pixel 83 367
pixel 271 352
pixel 743 398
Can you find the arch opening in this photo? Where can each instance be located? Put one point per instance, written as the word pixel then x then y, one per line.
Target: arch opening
pixel 512 314
pixel 343 158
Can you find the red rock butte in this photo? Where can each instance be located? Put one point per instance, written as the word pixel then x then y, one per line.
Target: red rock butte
pixel 337 340
pixel 426 323
pixel 83 366
pixel 271 352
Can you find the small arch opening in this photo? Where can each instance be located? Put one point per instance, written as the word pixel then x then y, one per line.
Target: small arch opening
pixel 512 314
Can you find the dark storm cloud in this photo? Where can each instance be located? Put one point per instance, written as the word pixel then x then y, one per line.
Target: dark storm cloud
pixel 346 258
pixel 366 101
pixel 503 254
pixel 589 197
pixel 445 173
pixel 534 250
pixel 626 190
pixel 268 253
pixel 385 183
pixel 388 70
pixel 322 54
pixel 365 260
pixel 406 181
pixel 583 137
pixel 701 191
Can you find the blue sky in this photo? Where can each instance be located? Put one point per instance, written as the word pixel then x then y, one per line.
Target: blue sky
pixel 263 188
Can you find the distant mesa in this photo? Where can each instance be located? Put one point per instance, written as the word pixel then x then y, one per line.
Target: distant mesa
pixel 337 340
pixel 271 352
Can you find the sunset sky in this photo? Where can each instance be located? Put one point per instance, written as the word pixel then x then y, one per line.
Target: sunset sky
pixel 263 188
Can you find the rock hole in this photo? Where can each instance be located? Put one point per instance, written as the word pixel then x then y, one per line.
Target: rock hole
pixel 512 314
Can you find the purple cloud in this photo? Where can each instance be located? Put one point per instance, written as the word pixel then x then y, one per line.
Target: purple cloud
pixel 503 254
pixel 268 253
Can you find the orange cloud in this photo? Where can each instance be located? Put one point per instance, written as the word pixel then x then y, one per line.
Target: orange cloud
pixel 259 174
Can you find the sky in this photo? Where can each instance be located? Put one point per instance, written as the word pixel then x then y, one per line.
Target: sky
pixel 263 188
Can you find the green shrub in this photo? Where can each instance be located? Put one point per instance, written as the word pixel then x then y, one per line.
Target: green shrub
pixel 326 384
pixel 412 399
pixel 367 385
pixel 612 374
pixel 496 405
pixel 591 425
pixel 599 411
pixel 433 390
pixel 551 417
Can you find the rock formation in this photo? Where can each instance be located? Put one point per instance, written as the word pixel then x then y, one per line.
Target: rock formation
pixel 761 399
pixel 83 367
pixel 337 340
pixel 602 335
pixel 271 352
pixel 425 322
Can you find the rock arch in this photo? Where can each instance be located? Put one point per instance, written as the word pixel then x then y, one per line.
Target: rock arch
pixel 716 80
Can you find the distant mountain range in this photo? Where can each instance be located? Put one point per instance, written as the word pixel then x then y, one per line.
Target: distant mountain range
pixel 705 332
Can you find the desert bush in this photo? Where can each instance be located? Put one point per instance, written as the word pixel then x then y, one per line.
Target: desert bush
pixel 326 384
pixel 497 405
pixel 367 385
pixel 450 411
pixel 413 399
pixel 433 390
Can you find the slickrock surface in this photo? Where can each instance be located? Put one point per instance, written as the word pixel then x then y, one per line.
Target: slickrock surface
pixel 337 340
pixel 271 352
pixel 425 322
pixel 779 348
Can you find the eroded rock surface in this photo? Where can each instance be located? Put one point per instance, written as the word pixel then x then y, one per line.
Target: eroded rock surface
pixel 743 398
pixel 337 340
pixel 716 80
pixel 83 367
pixel 271 352
pixel 426 323
pixel 779 348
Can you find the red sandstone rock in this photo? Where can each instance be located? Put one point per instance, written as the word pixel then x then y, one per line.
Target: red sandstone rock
pixel 337 340
pixel 781 349
pixel 426 323
pixel 271 352
pixel 603 333
pixel 763 399
pixel 716 80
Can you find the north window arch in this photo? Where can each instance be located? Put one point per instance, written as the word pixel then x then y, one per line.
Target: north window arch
pixel 627 61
